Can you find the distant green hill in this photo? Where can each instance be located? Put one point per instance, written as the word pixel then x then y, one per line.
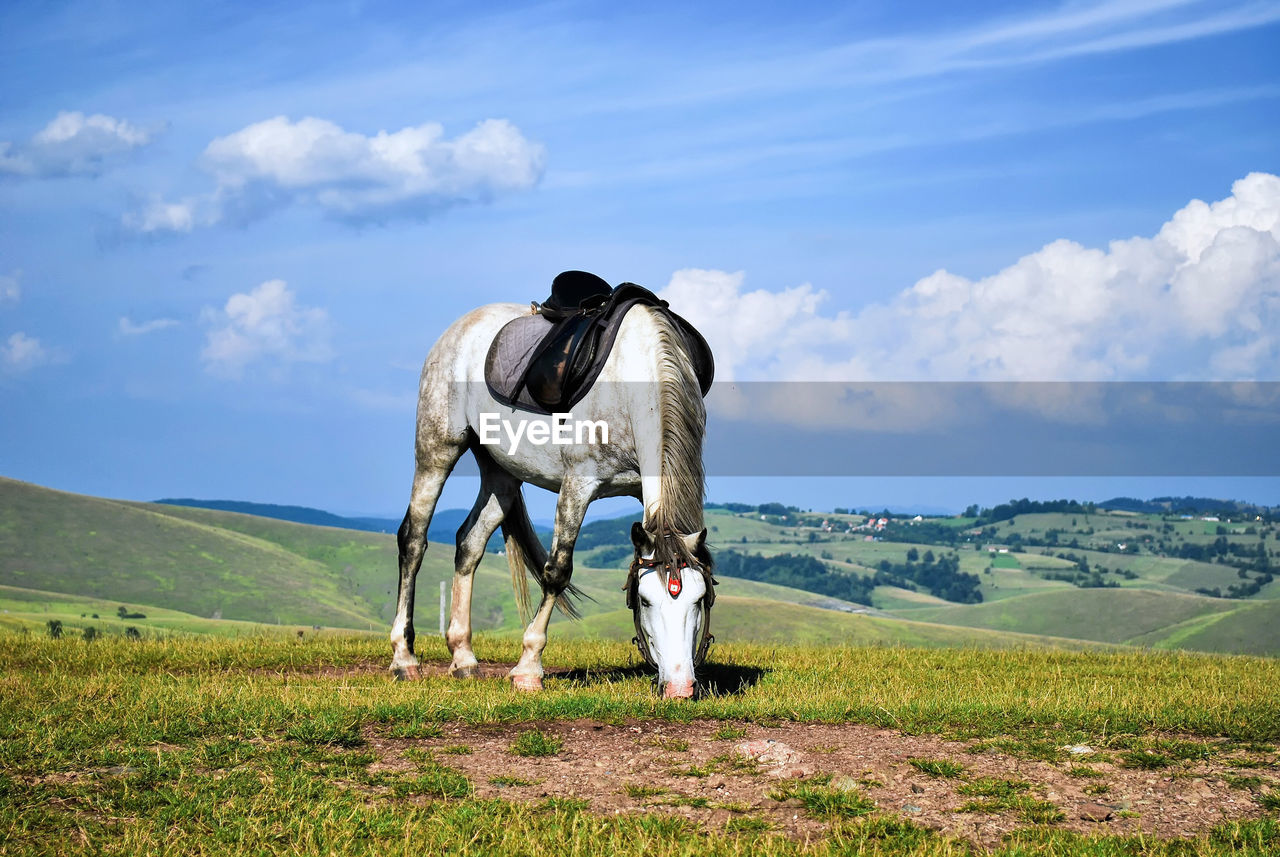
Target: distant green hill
pixel 210 571
pixel 1108 615
pixel 245 568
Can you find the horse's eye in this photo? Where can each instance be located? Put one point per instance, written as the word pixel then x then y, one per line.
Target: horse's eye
pixel 644 602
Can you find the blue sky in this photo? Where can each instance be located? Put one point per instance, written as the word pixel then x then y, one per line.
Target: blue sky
pixel 230 233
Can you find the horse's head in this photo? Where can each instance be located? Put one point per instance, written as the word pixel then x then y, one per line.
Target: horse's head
pixel 670 592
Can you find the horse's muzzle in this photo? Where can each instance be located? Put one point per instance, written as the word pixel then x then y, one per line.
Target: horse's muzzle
pixel 678 689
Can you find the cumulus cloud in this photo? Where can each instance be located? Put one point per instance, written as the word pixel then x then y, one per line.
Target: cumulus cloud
pixel 10 286
pixel 21 353
pixel 264 325
pixel 1198 300
pixel 73 144
pixel 414 172
pixel 127 327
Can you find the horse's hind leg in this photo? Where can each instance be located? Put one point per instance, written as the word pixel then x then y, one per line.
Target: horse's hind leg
pixel 498 491
pixel 428 480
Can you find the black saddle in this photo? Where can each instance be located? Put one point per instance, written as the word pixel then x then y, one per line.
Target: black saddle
pixel 547 361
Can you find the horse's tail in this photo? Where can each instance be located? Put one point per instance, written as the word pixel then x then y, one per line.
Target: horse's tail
pixel 526 553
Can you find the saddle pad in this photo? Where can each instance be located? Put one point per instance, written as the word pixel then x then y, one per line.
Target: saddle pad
pixel 509 357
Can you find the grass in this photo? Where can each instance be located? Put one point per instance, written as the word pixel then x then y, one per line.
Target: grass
pixel 1084 772
pixel 1027 808
pixel 673 745
pixel 940 768
pixel 993 787
pixel 512 780
pixel 823 800
pixel 640 791
pixel 729 732
pixel 536 743
pixel 1145 760
pixel 203 745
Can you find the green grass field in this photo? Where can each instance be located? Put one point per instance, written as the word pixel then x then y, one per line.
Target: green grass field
pixel 272 746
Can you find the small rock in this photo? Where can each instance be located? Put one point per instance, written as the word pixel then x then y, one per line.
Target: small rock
pixel 917 789
pixel 715 783
pixel 1096 812
pixel 910 807
pixel 1079 750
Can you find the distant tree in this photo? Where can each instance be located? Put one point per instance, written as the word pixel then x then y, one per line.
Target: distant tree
pixel 90 634
pixel 913 555
pixel 132 633
pixel 55 628
pixel 971 511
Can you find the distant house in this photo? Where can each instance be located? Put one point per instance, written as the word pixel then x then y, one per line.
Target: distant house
pixel 996 548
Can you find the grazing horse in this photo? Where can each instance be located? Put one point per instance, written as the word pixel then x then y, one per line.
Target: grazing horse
pixel 648 396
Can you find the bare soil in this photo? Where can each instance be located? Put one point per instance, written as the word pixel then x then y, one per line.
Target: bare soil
pixel 684 771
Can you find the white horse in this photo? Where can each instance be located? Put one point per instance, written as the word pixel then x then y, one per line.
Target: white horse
pixel 648 396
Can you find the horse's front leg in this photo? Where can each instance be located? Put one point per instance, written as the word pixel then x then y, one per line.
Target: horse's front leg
pixel 571 508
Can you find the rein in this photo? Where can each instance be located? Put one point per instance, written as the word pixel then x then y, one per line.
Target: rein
pixel 672 572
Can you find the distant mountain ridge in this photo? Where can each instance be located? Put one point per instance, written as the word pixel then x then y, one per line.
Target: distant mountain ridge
pixel 444 524
pixel 297 514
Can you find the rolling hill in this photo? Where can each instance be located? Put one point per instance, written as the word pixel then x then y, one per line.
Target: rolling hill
pixel 210 571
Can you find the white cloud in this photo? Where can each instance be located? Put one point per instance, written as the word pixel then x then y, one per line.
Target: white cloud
pixel 264 325
pixel 73 144
pixel 1199 300
pixel 127 327
pixel 156 215
pixel 21 353
pixel 414 172
pixel 10 286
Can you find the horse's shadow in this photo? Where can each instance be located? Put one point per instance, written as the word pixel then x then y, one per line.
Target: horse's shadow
pixel 714 680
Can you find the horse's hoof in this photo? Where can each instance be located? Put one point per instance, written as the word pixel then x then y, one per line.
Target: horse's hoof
pixel 406 673
pixel 527 682
pixel 464 672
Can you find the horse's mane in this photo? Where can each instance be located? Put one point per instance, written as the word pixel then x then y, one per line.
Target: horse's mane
pixel 684 421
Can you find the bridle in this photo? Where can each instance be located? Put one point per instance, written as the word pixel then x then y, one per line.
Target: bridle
pixel 671 572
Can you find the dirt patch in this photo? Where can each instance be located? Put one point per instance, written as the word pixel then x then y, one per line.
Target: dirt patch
pixel 714 772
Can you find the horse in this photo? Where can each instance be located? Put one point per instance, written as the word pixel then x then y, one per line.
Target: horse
pixel 651 402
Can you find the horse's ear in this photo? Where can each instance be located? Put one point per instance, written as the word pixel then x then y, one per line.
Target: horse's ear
pixel 640 537
pixel 695 542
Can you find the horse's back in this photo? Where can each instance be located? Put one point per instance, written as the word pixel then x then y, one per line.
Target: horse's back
pixel 459 353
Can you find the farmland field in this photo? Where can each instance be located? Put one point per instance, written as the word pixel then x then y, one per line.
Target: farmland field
pixel 278 746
